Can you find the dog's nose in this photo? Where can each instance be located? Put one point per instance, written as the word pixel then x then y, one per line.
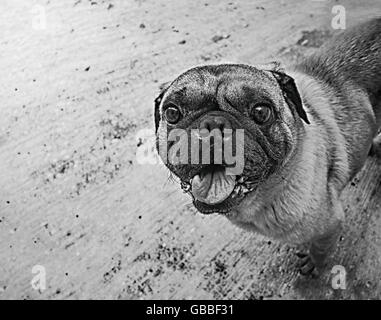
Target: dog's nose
pixel 211 122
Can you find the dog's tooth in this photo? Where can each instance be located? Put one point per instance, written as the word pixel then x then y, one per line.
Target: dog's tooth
pixel 235 191
pixel 185 186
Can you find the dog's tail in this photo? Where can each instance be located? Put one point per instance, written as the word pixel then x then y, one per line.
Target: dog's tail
pixel 353 55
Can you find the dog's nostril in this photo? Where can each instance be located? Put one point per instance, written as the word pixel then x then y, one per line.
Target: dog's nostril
pixel 215 122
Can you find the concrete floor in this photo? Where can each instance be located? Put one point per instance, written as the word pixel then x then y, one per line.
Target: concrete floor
pixel 74 199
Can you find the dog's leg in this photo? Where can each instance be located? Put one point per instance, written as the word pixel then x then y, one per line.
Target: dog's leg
pixel 320 248
pixel 322 245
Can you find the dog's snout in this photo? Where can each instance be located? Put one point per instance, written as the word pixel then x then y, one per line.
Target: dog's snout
pixel 212 122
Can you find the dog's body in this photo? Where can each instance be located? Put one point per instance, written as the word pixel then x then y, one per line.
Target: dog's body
pixel 296 197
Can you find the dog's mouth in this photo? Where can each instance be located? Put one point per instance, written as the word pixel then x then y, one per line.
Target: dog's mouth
pixel 214 190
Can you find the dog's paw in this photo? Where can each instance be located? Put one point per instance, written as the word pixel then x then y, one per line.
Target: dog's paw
pixel 307 267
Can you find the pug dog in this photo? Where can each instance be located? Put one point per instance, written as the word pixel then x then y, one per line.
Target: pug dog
pixel 308 130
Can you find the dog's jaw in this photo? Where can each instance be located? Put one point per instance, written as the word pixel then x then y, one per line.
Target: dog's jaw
pixel 241 189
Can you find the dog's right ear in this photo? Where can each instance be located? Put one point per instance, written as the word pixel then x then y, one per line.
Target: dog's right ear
pixel 163 89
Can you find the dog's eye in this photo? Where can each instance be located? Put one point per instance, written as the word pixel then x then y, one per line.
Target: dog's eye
pixel 172 114
pixel 260 113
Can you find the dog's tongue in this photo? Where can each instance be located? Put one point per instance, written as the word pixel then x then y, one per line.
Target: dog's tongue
pixel 213 188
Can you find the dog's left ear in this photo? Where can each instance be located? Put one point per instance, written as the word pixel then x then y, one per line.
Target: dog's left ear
pixel 288 87
pixel 163 89
pixel 290 93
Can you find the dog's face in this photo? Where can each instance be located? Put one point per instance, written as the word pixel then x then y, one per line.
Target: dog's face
pixel 264 104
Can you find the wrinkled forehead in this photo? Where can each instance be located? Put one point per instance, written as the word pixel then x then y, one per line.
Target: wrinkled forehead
pixel 204 81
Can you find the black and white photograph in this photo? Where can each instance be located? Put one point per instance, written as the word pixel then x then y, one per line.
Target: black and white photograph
pixel 207 151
